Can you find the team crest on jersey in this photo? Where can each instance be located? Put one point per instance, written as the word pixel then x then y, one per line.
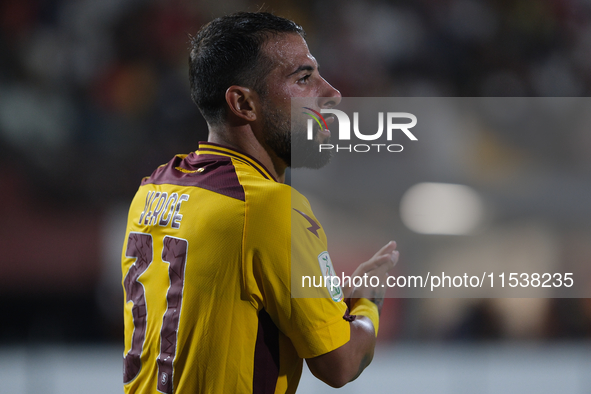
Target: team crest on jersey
pixel 336 293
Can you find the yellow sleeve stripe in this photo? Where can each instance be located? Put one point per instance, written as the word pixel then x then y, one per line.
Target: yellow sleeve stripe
pixel 369 309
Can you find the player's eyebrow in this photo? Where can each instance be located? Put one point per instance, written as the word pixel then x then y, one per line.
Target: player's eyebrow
pixel 305 67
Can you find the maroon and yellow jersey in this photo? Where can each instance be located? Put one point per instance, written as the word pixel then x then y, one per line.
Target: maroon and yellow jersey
pixel 207 280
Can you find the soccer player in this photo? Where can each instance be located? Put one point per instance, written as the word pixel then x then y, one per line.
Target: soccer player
pixel 212 236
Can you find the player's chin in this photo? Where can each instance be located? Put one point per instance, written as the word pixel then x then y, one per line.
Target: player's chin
pixel 309 153
pixel 313 159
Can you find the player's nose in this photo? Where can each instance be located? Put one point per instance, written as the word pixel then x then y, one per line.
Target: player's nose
pixel 329 97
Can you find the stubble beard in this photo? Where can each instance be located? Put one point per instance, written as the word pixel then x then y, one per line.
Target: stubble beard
pixel 294 148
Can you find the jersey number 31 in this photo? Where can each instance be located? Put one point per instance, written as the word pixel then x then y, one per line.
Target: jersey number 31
pixel 174 252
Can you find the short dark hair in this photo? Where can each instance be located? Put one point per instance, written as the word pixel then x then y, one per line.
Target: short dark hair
pixel 226 52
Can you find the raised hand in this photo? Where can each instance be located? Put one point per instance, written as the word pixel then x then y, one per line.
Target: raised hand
pixel 378 266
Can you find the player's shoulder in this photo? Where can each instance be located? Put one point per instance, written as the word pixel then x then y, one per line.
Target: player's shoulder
pixel 216 173
pixel 260 187
pixel 269 194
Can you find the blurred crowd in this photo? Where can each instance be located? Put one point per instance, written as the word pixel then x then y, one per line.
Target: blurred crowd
pixel 94 95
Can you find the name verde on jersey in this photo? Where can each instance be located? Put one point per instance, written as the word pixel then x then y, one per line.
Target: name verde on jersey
pixel 162 209
pixel 335 291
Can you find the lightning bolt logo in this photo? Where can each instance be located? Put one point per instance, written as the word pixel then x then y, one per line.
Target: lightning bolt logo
pixel 314 226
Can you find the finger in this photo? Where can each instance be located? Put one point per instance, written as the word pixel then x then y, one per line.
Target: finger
pixel 394 256
pixel 385 263
pixel 389 260
pixel 387 252
pixel 388 248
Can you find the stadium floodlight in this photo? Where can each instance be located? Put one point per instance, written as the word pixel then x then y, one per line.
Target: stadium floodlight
pixel 441 208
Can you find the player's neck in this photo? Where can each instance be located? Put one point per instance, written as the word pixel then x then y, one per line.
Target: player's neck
pixel 243 139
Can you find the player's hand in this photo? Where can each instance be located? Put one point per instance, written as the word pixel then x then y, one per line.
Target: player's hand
pixel 378 266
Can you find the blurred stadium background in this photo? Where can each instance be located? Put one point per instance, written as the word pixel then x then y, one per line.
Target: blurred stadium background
pixel 94 95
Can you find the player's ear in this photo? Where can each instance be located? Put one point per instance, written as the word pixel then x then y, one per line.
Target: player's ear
pixel 241 102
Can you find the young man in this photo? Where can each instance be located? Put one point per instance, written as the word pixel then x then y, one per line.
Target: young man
pixel 212 236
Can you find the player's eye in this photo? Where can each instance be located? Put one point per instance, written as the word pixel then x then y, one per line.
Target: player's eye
pixel 305 78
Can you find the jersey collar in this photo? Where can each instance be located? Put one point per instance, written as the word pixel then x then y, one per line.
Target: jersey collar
pixel 211 148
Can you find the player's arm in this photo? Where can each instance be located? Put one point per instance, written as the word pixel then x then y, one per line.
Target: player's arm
pixel 344 364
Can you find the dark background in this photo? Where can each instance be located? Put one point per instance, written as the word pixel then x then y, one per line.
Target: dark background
pixel 94 95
